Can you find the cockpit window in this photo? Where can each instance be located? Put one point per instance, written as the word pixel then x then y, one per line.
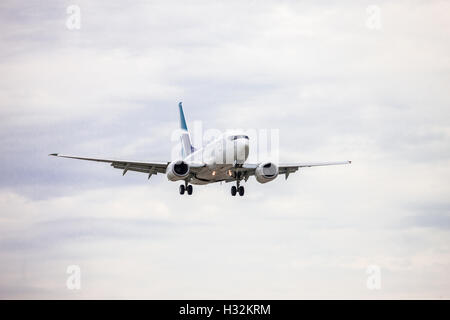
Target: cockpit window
pixel 238 137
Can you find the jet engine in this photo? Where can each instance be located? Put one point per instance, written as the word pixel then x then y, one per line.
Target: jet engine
pixel 266 172
pixel 177 170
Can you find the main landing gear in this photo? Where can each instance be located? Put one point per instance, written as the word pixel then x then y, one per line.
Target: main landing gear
pixel 186 187
pixel 237 189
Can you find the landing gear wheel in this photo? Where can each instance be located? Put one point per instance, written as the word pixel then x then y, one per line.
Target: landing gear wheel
pixel 189 189
pixel 182 188
pixel 241 191
pixel 233 190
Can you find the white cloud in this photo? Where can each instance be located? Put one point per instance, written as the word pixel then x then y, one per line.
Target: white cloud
pixel 334 88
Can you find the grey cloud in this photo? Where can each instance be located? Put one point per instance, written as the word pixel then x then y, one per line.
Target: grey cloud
pixel 429 215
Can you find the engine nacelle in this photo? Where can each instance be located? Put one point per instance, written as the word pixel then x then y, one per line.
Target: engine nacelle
pixel 177 170
pixel 266 172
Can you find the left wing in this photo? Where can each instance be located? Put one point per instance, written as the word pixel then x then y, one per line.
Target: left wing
pixel 146 167
pixel 290 168
pixel 248 170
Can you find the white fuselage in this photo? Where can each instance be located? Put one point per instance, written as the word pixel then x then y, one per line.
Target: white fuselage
pixel 219 156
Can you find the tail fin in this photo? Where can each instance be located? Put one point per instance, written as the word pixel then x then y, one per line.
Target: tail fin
pixel 187 147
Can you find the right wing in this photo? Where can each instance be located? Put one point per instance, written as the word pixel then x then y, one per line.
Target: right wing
pixel 126 165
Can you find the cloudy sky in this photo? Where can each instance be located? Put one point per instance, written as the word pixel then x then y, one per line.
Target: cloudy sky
pixel 363 80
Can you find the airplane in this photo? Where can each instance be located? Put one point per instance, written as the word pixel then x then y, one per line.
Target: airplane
pixel 221 160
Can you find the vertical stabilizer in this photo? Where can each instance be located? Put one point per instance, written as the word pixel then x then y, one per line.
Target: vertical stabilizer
pixel 186 145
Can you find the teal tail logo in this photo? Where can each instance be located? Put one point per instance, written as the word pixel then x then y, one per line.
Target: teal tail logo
pixel 186 145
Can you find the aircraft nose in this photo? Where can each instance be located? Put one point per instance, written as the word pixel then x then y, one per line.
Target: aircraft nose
pixel 246 148
pixel 242 150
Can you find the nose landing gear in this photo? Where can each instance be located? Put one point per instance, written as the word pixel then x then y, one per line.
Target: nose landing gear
pixel 237 189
